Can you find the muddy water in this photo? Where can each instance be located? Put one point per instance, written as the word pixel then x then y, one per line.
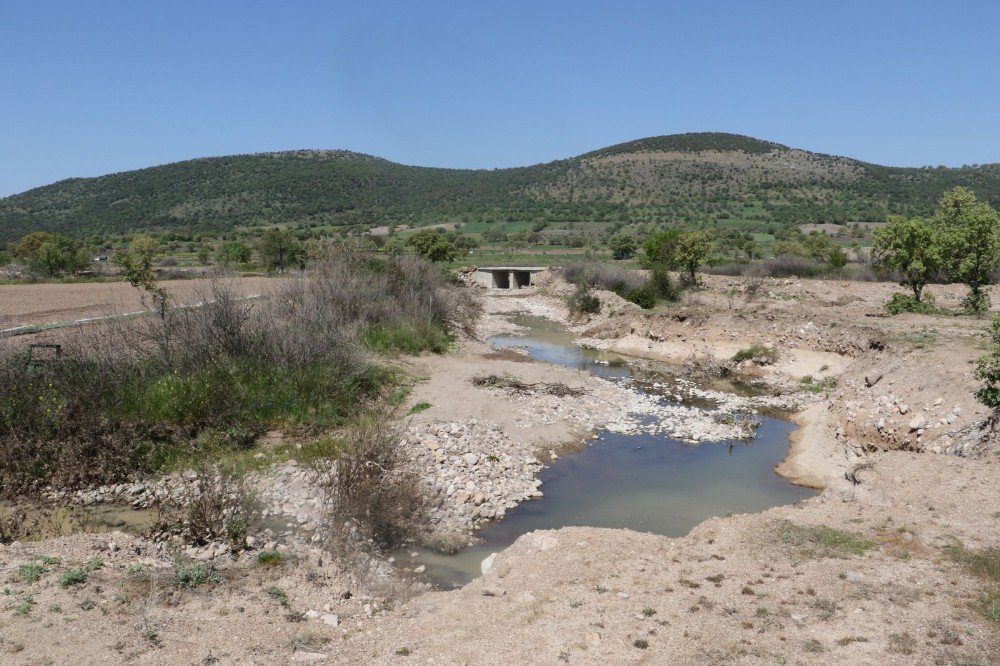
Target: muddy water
pixel 641 482
pixel 48 522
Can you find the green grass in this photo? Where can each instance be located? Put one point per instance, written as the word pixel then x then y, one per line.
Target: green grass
pixel 270 558
pixel 277 594
pixel 195 575
pixel 824 541
pixel 407 339
pixel 420 407
pixel 73 577
pixel 30 573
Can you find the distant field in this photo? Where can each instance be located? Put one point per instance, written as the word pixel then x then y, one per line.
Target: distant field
pixel 25 304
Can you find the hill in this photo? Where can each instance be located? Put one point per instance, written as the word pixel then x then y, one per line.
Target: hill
pixel 703 178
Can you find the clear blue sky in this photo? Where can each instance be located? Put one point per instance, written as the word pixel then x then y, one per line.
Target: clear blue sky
pixel 93 87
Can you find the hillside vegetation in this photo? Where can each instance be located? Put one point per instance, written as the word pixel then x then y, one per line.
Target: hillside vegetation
pixel 704 178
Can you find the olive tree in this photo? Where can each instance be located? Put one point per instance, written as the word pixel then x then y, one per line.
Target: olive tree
pixel 970 243
pixel 691 251
pixel 910 246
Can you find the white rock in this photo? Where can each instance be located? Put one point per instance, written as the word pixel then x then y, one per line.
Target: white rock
pixel 330 620
pixel 486 565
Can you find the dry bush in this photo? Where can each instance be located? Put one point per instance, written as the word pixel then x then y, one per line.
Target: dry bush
pixel 220 506
pixel 373 497
pixel 610 278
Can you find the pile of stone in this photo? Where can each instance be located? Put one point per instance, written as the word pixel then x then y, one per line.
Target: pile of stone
pixel 472 471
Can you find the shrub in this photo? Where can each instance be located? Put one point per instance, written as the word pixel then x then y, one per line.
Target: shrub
pixel 220 506
pixel 270 558
pixel 988 368
pixel 758 353
pixel 73 577
pixel 195 575
pixel 144 394
pixel 643 297
pixel 900 303
pixel 583 302
pixel 609 278
pixel 373 495
pixel 663 286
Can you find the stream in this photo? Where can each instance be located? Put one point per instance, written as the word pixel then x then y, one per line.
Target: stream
pixel 633 481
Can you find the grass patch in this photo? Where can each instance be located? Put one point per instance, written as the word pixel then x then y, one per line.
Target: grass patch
pixel 188 577
pixel 984 564
pixel 813 646
pixel 31 573
pixel 270 558
pixel 278 595
pixel 392 339
pixel 847 640
pixel 420 407
pixel 818 385
pixel 824 541
pixel 757 353
pixel 73 577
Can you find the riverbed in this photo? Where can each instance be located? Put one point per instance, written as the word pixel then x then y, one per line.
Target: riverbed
pixel 644 482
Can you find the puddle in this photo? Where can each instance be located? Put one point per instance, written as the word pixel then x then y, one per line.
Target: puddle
pixel 49 522
pixel 641 482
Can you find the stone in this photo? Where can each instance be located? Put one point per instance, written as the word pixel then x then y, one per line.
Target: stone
pixel 420 569
pixel 487 565
pixel 479 499
pixel 312 615
pixel 330 619
pixel 494 592
pixel 917 423
pixel 471 459
pixel 903 408
pixel 852 577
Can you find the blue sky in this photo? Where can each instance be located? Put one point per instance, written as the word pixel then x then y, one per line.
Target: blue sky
pixel 94 87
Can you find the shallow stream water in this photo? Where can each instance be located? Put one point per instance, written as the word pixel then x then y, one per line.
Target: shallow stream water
pixel 641 482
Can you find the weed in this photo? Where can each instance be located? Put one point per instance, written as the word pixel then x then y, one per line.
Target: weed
pixel 757 353
pixel 270 558
pixel 87 604
pixel 818 385
pixel 403 652
pixel 813 646
pixel 95 565
pixel 847 640
pixel 648 612
pixel 278 595
pixel 826 608
pixel 73 577
pixel 984 564
pixel 641 643
pixel 309 641
pixel 824 541
pixel 195 575
pixel 904 643
pixel 24 607
pixel 420 407
pixel 30 573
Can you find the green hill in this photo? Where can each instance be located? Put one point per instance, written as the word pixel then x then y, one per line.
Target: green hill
pixel 703 178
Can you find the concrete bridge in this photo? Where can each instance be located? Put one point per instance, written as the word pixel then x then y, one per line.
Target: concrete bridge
pixel 506 277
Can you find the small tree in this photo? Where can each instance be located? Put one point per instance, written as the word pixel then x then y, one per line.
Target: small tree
pixel 970 233
pixel 279 248
pixel 433 246
pixel 910 246
pixel 622 246
pixel 233 252
pixel 988 368
pixel 137 268
pixel 660 248
pixel 692 248
pixel 51 254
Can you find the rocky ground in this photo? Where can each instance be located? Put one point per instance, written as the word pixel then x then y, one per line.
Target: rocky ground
pixel 880 567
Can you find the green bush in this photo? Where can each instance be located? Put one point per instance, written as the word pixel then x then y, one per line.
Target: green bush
pixel 900 303
pixel 663 286
pixel 583 302
pixel 643 297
